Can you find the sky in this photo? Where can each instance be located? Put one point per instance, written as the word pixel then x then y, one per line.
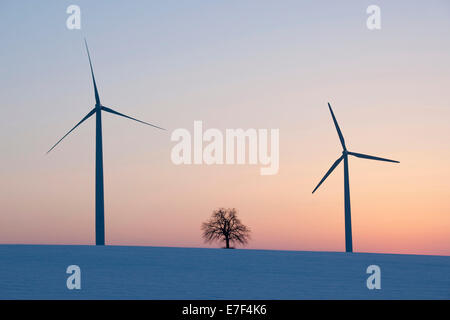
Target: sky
pixel 230 64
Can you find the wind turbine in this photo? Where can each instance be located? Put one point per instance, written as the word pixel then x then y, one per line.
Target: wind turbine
pixel 99 197
pixel 345 153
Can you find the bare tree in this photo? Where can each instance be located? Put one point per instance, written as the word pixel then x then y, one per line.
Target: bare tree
pixel 225 226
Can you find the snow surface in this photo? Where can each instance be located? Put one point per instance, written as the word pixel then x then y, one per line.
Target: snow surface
pixel 116 272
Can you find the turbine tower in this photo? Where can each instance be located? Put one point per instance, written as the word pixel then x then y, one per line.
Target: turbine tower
pixel 345 154
pixel 99 196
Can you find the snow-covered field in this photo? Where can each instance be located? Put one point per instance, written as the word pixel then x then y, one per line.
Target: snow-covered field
pixel 115 272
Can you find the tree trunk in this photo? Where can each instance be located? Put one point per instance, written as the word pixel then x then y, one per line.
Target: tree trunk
pixel 227 241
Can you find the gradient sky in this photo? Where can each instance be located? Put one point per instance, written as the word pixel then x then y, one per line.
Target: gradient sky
pixel 231 64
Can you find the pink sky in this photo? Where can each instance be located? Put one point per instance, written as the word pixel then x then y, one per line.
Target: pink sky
pixel 273 68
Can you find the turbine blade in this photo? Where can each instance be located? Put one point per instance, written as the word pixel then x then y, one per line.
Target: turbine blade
pixel 123 115
pixel 341 137
pixel 335 164
pixel 365 156
pixel 97 98
pixel 82 120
